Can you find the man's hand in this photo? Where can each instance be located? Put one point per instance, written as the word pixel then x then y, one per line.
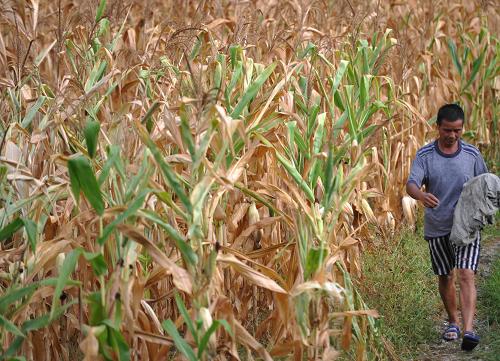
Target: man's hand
pixel 429 200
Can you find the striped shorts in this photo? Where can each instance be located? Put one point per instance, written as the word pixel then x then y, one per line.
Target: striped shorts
pixel 446 256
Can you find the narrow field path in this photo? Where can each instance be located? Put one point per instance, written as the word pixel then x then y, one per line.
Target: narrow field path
pixel 450 351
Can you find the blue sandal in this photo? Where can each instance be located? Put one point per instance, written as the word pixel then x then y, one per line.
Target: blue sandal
pixel 470 341
pixel 452 328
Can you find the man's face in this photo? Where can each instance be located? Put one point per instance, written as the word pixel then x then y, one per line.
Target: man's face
pixel 450 132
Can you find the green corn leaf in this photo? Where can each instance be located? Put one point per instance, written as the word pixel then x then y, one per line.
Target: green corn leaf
pixel 148 117
pixel 97 311
pixel 218 76
pixel 187 137
pixel 364 91
pixel 170 176
pixel 28 118
pixel 196 49
pixel 113 152
pixel 180 343
pixel 318 135
pixel 337 99
pixel 100 10
pixel 291 139
pixel 454 55
pixel 103 27
pixel 31 230
pixel 203 147
pixel 95 75
pixel 235 78
pixel 82 178
pixel 17 358
pixel 302 302
pixel 134 206
pixel 187 252
pixel 198 196
pixel 294 173
pixel 117 341
pixel 314 260
pixel 97 262
pixel 234 54
pixel 252 91
pixel 185 314
pixel 14 100
pixel 12 296
pixel 314 173
pixel 32 325
pixel 476 65
pixel 91 132
pixel 10 327
pixel 367 131
pixel 328 176
pixel 325 96
pixel 310 48
pixel 272 209
pixel 301 144
pixel 45 320
pixel 166 198
pixel 3 173
pixel 466 54
pixel 11 228
pixel 311 120
pixel 206 337
pixel 65 272
pixel 303 85
pixel 141 179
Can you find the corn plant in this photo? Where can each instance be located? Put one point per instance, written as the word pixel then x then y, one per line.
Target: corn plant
pixel 204 189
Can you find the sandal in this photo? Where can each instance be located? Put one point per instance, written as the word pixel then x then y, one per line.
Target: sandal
pixel 451 328
pixel 469 341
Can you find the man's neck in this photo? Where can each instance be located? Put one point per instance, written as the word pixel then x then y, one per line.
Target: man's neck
pixel 447 150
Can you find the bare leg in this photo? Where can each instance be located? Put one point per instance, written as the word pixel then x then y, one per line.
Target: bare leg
pixel 447 291
pixel 467 297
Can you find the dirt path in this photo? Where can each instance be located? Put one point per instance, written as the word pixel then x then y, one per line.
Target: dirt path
pixel 450 351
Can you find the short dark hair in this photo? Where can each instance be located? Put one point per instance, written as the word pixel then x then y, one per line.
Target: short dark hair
pixel 451 113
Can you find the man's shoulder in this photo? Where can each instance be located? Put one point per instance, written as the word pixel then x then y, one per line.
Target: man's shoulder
pixel 426 150
pixel 470 149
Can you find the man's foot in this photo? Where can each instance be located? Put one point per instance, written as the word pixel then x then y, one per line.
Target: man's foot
pixel 451 333
pixel 470 341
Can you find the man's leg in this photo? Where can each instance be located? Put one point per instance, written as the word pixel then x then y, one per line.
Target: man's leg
pixel 442 258
pixel 467 297
pixel 447 291
pixel 466 263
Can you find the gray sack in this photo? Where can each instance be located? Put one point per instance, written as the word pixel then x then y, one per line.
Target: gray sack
pixel 476 207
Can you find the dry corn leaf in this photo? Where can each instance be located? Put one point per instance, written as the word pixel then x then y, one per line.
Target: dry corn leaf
pixel 182 279
pixel 249 273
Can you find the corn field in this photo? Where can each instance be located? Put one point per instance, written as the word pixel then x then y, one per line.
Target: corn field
pixel 197 180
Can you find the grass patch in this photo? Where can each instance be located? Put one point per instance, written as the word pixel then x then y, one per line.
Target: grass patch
pixel 489 301
pixel 398 281
pixel 489 309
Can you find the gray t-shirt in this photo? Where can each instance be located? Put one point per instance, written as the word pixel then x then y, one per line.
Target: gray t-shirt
pixel 444 176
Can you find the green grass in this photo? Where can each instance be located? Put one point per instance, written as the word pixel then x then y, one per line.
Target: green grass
pixel 399 282
pixel 489 301
pixel 489 309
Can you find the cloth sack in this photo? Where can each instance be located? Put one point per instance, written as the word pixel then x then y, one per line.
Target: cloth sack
pixel 476 207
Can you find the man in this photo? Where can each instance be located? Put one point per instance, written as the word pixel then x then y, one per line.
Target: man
pixel 443 166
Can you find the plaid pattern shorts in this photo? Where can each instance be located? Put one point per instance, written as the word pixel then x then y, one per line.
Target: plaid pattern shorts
pixel 446 256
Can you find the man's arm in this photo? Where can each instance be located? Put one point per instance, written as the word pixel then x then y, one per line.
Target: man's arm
pixel 428 199
pixel 480 166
